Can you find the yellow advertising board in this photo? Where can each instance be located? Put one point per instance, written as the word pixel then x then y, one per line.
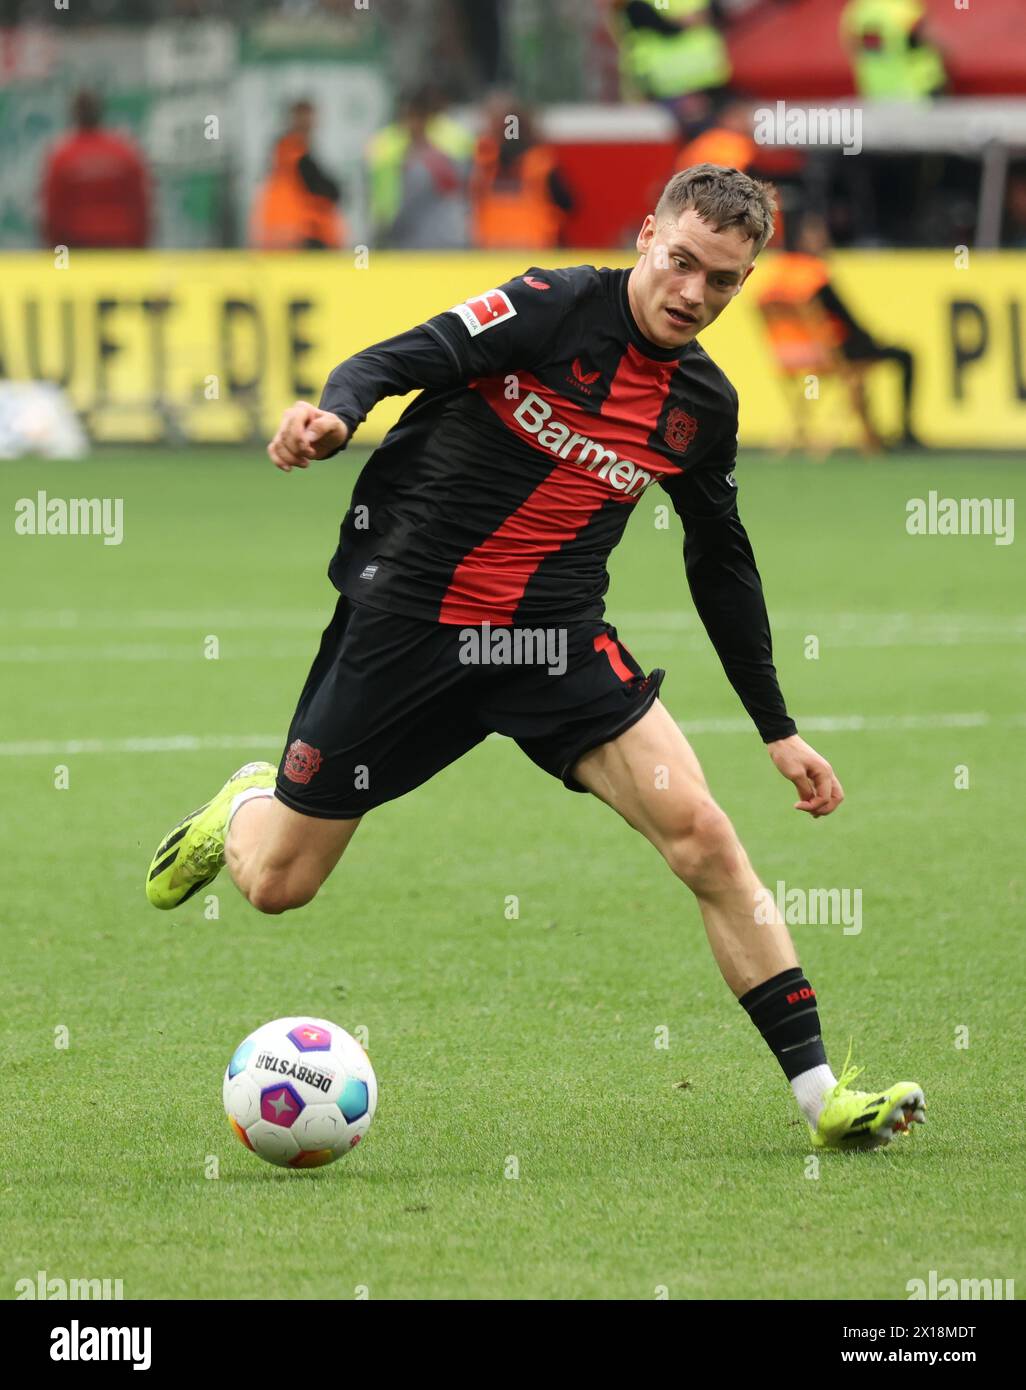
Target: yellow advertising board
pixel 212 346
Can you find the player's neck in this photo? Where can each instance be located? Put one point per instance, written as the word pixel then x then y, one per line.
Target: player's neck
pixel 660 351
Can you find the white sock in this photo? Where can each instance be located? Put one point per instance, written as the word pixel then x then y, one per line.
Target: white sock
pixel 808 1091
pixel 242 798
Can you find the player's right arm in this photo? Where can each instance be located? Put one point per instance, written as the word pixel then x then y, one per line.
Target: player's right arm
pixel 496 331
pixel 306 432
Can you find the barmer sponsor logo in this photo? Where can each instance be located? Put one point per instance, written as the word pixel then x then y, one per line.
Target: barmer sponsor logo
pixel 43 1287
pixel 514 646
pixel 70 516
pixel 534 416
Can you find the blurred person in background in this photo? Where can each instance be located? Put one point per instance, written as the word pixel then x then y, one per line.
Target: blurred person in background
pixel 892 53
pixel 820 324
pixel 673 52
pixel 419 169
pixel 295 208
pixel 727 142
pixel 95 188
pixel 518 196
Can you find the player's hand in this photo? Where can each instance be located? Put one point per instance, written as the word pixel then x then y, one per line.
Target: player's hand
pixel 814 778
pixel 306 433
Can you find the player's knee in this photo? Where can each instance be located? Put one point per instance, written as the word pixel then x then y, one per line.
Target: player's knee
pixel 276 892
pixel 703 850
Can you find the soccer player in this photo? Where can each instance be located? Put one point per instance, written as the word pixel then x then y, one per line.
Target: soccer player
pixel 548 407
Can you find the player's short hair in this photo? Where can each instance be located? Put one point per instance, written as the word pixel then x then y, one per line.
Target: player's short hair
pixel 724 198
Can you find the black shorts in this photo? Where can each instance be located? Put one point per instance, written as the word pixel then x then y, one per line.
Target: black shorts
pixel 391 700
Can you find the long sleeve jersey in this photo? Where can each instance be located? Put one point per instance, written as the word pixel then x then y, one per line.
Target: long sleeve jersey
pixel 544 415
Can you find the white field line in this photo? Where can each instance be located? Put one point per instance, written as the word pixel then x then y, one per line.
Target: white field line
pixel 253 743
pixel 71 619
pixel 681 616
pixel 835 630
pixel 666 619
pixel 173 743
pixel 303 652
pixel 80 654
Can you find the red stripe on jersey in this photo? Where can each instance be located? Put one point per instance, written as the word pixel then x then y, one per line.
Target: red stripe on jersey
pixel 604 643
pixel 635 401
pixel 489 583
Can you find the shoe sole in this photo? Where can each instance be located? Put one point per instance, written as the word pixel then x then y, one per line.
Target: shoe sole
pixel 908 1111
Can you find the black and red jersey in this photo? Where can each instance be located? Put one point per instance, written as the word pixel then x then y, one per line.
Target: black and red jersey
pixel 544 416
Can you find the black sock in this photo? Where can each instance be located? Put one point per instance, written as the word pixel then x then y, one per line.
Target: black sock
pixel 784 1011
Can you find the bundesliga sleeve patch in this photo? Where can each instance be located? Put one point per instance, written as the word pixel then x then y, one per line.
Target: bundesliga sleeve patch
pixel 484 311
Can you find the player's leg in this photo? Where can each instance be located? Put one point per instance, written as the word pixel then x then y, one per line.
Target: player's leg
pixel 641 764
pixel 861 352
pixel 652 778
pixel 382 710
pixel 855 377
pixel 798 440
pixel 906 364
pixel 650 775
pixel 277 857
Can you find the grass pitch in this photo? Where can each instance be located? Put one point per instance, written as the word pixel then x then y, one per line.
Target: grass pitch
pixel 532 1140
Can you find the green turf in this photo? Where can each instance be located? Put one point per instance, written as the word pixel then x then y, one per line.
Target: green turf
pixel 493 1039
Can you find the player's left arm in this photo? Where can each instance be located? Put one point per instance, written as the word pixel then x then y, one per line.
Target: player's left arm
pixel 728 596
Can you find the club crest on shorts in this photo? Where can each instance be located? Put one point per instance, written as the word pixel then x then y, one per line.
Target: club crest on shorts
pixel 301 761
pixel 681 429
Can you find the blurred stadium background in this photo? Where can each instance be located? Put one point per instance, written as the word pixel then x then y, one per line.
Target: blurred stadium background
pixel 212 143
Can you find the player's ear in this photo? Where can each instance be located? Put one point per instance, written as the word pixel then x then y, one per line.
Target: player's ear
pixel 744 277
pixel 646 234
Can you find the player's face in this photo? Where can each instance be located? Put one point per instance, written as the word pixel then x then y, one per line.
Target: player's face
pixel 687 275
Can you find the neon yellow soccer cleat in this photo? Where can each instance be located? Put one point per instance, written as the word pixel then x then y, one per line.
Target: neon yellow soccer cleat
pixel 867 1119
pixel 192 852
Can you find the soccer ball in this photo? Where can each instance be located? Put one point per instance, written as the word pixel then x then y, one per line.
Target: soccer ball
pixel 300 1092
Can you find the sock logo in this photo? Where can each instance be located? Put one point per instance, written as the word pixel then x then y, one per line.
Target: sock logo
pixel 806 992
